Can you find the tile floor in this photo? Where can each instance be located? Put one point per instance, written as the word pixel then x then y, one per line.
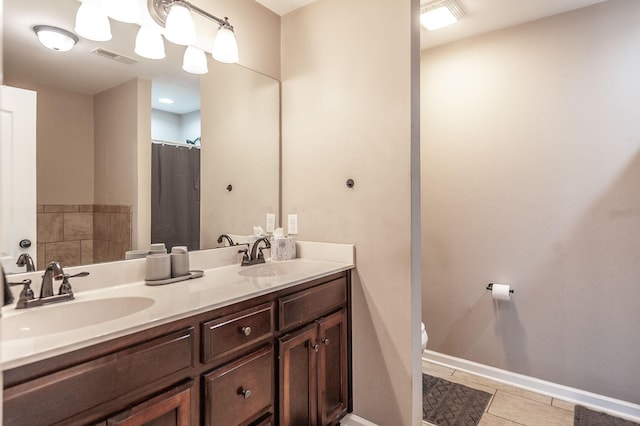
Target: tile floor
pixel 508 405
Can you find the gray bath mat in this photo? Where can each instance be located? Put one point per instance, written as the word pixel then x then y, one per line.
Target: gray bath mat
pixel 585 417
pixel 450 404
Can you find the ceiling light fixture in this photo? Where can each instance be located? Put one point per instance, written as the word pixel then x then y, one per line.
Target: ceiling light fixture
pixel 439 14
pixel 55 38
pixel 167 101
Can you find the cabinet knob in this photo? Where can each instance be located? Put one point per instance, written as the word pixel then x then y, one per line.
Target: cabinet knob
pixel 316 347
pixel 326 342
pixel 246 393
pixel 246 331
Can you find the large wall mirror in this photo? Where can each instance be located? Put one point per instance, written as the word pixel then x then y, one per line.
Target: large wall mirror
pixel 107 178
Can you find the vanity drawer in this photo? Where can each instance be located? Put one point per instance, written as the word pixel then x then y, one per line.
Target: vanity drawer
pixel 304 306
pixel 97 381
pixel 240 392
pixel 237 331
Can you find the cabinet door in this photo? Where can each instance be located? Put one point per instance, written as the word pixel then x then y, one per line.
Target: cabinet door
pixel 332 367
pixel 298 380
pixel 172 408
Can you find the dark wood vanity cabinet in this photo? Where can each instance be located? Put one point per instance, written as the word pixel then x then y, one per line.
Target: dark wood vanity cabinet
pixel 281 358
pixel 313 372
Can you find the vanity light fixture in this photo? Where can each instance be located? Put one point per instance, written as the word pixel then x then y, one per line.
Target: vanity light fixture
pixel 440 13
pixel 55 38
pixel 91 21
pixel 225 46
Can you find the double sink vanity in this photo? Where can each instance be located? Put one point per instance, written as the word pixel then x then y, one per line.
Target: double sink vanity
pixel 243 345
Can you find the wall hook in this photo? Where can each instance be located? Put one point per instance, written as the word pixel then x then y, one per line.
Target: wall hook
pixel 350 183
pixel 229 187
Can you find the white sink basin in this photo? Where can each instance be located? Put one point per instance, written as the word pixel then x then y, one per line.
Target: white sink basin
pixel 65 316
pixel 273 269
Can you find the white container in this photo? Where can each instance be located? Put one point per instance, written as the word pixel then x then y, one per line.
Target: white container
pixel 158 267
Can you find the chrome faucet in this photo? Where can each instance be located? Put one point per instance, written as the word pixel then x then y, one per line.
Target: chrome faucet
pixel 25 260
pixel 256 255
pixel 53 271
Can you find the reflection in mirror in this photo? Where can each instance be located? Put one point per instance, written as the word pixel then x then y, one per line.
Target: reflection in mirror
pixel 95 125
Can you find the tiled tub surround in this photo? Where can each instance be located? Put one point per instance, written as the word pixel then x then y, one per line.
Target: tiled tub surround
pixel 81 234
pixel 221 286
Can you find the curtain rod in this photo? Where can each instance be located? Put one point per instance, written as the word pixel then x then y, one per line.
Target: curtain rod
pixel 176 144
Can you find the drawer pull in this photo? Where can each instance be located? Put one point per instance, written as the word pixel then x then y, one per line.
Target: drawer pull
pixel 326 342
pixel 246 393
pixel 246 331
pixel 316 347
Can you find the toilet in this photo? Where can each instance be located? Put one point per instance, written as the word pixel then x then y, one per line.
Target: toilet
pixel 425 338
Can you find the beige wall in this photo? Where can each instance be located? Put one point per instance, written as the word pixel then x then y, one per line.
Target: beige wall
pixel 531 164
pixel 240 143
pixel 123 152
pixel 346 87
pixel 64 144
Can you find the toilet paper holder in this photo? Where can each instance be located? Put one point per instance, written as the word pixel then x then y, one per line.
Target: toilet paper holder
pixel 490 287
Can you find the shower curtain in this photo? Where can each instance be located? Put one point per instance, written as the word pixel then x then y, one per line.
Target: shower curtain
pixel 175 196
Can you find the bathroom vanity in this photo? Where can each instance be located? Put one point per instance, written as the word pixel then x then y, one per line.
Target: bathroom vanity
pixel 226 350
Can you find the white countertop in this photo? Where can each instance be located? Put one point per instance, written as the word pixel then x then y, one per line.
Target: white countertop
pixel 220 286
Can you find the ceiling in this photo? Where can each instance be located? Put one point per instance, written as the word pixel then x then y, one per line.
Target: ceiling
pixel 25 57
pixel 481 16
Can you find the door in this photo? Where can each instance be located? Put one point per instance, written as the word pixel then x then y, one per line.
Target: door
pixel 332 367
pixel 17 175
pixel 298 377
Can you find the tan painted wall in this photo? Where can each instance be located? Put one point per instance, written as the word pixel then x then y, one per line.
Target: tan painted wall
pixel 123 152
pixel 64 142
pixel 346 87
pixel 531 164
pixel 240 141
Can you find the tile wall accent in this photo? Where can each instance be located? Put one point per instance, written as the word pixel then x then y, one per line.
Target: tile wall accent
pixel 81 234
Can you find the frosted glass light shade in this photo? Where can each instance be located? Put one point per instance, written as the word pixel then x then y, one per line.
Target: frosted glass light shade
pixel 149 44
pixel 194 61
pixel 91 22
pixel 123 10
pixel 179 25
pixel 55 38
pixel 225 46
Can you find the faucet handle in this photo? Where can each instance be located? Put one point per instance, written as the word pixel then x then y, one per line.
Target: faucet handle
pixel 65 287
pixel 26 294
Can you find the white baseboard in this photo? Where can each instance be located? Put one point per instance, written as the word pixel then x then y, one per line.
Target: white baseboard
pixel 353 420
pixel 591 400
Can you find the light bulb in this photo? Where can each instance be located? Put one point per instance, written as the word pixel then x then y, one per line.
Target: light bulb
pixel 179 25
pixel 91 22
pixel 149 44
pixel 194 61
pixel 225 46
